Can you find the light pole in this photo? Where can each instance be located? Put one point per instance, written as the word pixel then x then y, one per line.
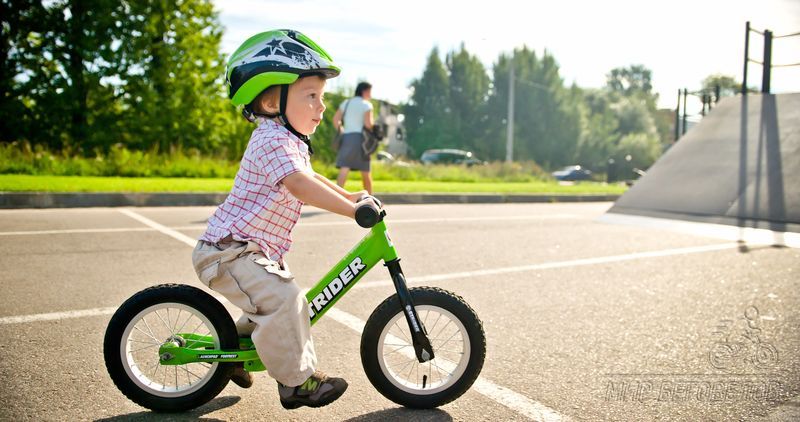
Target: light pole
pixel 510 119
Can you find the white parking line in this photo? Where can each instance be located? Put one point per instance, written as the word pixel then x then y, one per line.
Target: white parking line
pixel 552 265
pixel 720 231
pixel 301 224
pixel 57 316
pixel 73 231
pixel 162 228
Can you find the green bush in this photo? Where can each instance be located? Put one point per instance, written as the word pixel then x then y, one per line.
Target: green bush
pixel 22 158
pixel 492 172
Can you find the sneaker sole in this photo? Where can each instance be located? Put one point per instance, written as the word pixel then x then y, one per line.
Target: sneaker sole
pixel 294 404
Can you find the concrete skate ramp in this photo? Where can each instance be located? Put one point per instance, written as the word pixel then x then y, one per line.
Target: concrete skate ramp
pixel 739 166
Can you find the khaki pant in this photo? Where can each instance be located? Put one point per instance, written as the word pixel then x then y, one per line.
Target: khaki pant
pixel 275 309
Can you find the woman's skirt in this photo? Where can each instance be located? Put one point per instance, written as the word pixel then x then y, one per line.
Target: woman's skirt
pixel 350 153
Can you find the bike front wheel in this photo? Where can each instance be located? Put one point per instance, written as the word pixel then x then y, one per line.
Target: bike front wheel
pixel 158 315
pixel 458 341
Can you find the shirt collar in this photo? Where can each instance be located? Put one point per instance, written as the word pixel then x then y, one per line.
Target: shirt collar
pixel 273 125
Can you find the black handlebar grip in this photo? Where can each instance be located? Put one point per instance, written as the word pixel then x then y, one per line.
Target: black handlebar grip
pixel 367 215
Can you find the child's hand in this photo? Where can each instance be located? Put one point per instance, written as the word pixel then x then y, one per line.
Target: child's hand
pixel 356 196
pixel 368 197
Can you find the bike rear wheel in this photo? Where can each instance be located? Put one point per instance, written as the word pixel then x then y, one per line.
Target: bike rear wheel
pixel 153 317
pixel 458 341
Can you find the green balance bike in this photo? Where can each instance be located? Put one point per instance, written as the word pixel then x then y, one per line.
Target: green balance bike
pixel 173 347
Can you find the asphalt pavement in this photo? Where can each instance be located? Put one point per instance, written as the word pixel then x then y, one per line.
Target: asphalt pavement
pixel 584 320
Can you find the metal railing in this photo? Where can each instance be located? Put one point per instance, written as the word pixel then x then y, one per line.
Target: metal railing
pixel 708 97
pixel 766 63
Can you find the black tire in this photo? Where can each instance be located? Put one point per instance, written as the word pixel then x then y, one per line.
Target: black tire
pixel 186 298
pixel 388 317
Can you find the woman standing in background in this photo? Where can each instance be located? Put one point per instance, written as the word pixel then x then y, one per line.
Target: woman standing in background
pixel 354 115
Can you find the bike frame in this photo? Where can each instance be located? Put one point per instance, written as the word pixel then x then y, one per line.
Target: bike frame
pixel 376 246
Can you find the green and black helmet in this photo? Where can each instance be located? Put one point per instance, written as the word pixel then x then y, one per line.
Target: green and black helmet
pixel 276 57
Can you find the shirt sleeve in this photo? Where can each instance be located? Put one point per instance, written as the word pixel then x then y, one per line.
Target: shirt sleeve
pixel 279 160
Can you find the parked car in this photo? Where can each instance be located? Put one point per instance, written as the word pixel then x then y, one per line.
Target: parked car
pixel 449 156
pixel 572 173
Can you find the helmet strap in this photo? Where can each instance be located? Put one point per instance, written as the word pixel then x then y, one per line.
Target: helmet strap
pixel 284 120
pixel 247 113
pixel 251 115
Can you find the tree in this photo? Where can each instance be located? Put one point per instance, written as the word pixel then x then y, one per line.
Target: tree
pixel 637 110
pixel 621 120
pixel 634 117
pixel 88 75
pixel 547 123
pixel 634 80
pixel 173 76
pixel 20 26
pixel 643 149
pixel 468 89
pixel 429 113
pixel 728 85
pixel 59 54
pixel 91 38
pixel 599 131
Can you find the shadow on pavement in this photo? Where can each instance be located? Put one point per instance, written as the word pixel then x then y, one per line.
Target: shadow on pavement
pixel 193 415
pixel 745 248
pixel 404 414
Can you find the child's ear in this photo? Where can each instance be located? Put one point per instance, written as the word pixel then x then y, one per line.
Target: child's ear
pixel 268 101
pixel 270 104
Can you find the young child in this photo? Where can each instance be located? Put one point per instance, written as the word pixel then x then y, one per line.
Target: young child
pixel 279 77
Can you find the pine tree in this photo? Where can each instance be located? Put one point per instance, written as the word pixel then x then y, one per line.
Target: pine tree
pixel 468 89
pixel 429 115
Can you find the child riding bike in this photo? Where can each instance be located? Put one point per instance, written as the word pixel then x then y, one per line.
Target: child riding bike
pixel 279 77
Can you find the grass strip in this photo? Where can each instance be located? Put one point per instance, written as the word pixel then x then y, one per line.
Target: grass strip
pixel 28 183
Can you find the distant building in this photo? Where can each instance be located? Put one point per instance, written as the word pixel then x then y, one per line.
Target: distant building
pixel 390 118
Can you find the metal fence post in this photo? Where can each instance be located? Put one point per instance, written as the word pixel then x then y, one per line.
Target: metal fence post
pixel 703 105
pixel 678 116
pixel 767 66
pixel 685 94
pixel 746 58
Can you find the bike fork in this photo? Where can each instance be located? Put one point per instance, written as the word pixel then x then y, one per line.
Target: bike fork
pixel 419 336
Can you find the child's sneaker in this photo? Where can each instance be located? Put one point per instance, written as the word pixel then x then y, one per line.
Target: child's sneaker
pixel 317 391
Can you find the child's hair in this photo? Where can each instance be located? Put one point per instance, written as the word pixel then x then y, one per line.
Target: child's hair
pixel 267 101
pixel 362 86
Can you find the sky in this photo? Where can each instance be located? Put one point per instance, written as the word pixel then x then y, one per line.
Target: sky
pixel 680 41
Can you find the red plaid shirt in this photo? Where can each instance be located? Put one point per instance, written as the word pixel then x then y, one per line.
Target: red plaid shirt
pixel 259 207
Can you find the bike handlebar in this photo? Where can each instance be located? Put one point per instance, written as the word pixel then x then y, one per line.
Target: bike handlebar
pixel 368 214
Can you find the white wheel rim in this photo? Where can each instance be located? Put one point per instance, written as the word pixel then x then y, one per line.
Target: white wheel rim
pixel 147 331
pixel 451 348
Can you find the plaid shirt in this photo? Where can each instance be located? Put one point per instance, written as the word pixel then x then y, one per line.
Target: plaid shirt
pixel 259 207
